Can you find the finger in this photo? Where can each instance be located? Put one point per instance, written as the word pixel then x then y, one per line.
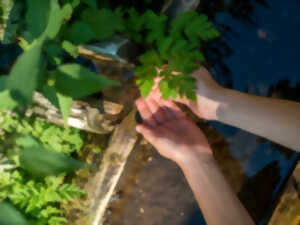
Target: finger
pixel 149 133
pixel 156 136
pixel 156 83
pixel 170 108
pixel 145 112
pixel 183 100
pixel 157 111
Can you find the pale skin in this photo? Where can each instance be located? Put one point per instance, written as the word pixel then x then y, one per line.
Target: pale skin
pixel 177 138
pixel 275 119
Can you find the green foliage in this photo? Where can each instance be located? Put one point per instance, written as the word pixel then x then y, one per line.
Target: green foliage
pixel 50 18
pixel 44 45
pixel 54 52
pixel 67 11
pixel 3 80
pixel 39 197
pixel 26 69
pixel 10 20
pixel 104 22
pixel 179 47
pixel 81 82
pixel 48 31
pixel 91 3
pixel 37 9
pixel 9 215
pixel 65 103
pixel 70 48
pixel 63 25
pixel 63 140
pixel 80 33
pixel 33 155
pixel 7 101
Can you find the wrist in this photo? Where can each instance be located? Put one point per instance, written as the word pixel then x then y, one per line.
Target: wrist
pixel 209 101
pixel 224 99
pixel 190 160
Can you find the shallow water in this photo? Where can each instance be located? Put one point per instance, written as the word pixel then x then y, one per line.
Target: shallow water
pixel 263 50
pixel 264 53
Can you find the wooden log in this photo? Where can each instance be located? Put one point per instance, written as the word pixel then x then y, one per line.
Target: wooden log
pixel 100 187
pixel 288 207
pixel 83 116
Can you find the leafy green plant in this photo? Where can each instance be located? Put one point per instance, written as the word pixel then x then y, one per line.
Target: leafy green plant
pixel 178 47
pixel 42 46
pixel 38 199
pixel 63 25
pixel 10 15
pixel 37 152
pixel 63 140
pixel 9 215
pixel 49 32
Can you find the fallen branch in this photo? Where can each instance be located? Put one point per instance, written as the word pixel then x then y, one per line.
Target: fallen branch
pixel 101 185
pixel 83 116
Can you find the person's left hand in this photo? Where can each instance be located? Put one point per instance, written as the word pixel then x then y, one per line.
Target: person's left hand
pixel 168 129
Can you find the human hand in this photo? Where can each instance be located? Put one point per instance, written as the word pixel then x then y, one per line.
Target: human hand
pixel 168 129
pixel 208 92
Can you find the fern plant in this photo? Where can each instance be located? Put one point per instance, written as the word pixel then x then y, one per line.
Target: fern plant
pixel 64 140
pixel 39 198
pixel 178 46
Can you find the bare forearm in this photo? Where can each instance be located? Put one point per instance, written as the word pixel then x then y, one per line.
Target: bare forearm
pixel 218 203
pixel 274 119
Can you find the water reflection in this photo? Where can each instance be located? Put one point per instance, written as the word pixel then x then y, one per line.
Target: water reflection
pixel 261 38
pixel 241 10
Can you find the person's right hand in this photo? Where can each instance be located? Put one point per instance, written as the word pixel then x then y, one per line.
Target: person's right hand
pixel 207 94
pixel 174 135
